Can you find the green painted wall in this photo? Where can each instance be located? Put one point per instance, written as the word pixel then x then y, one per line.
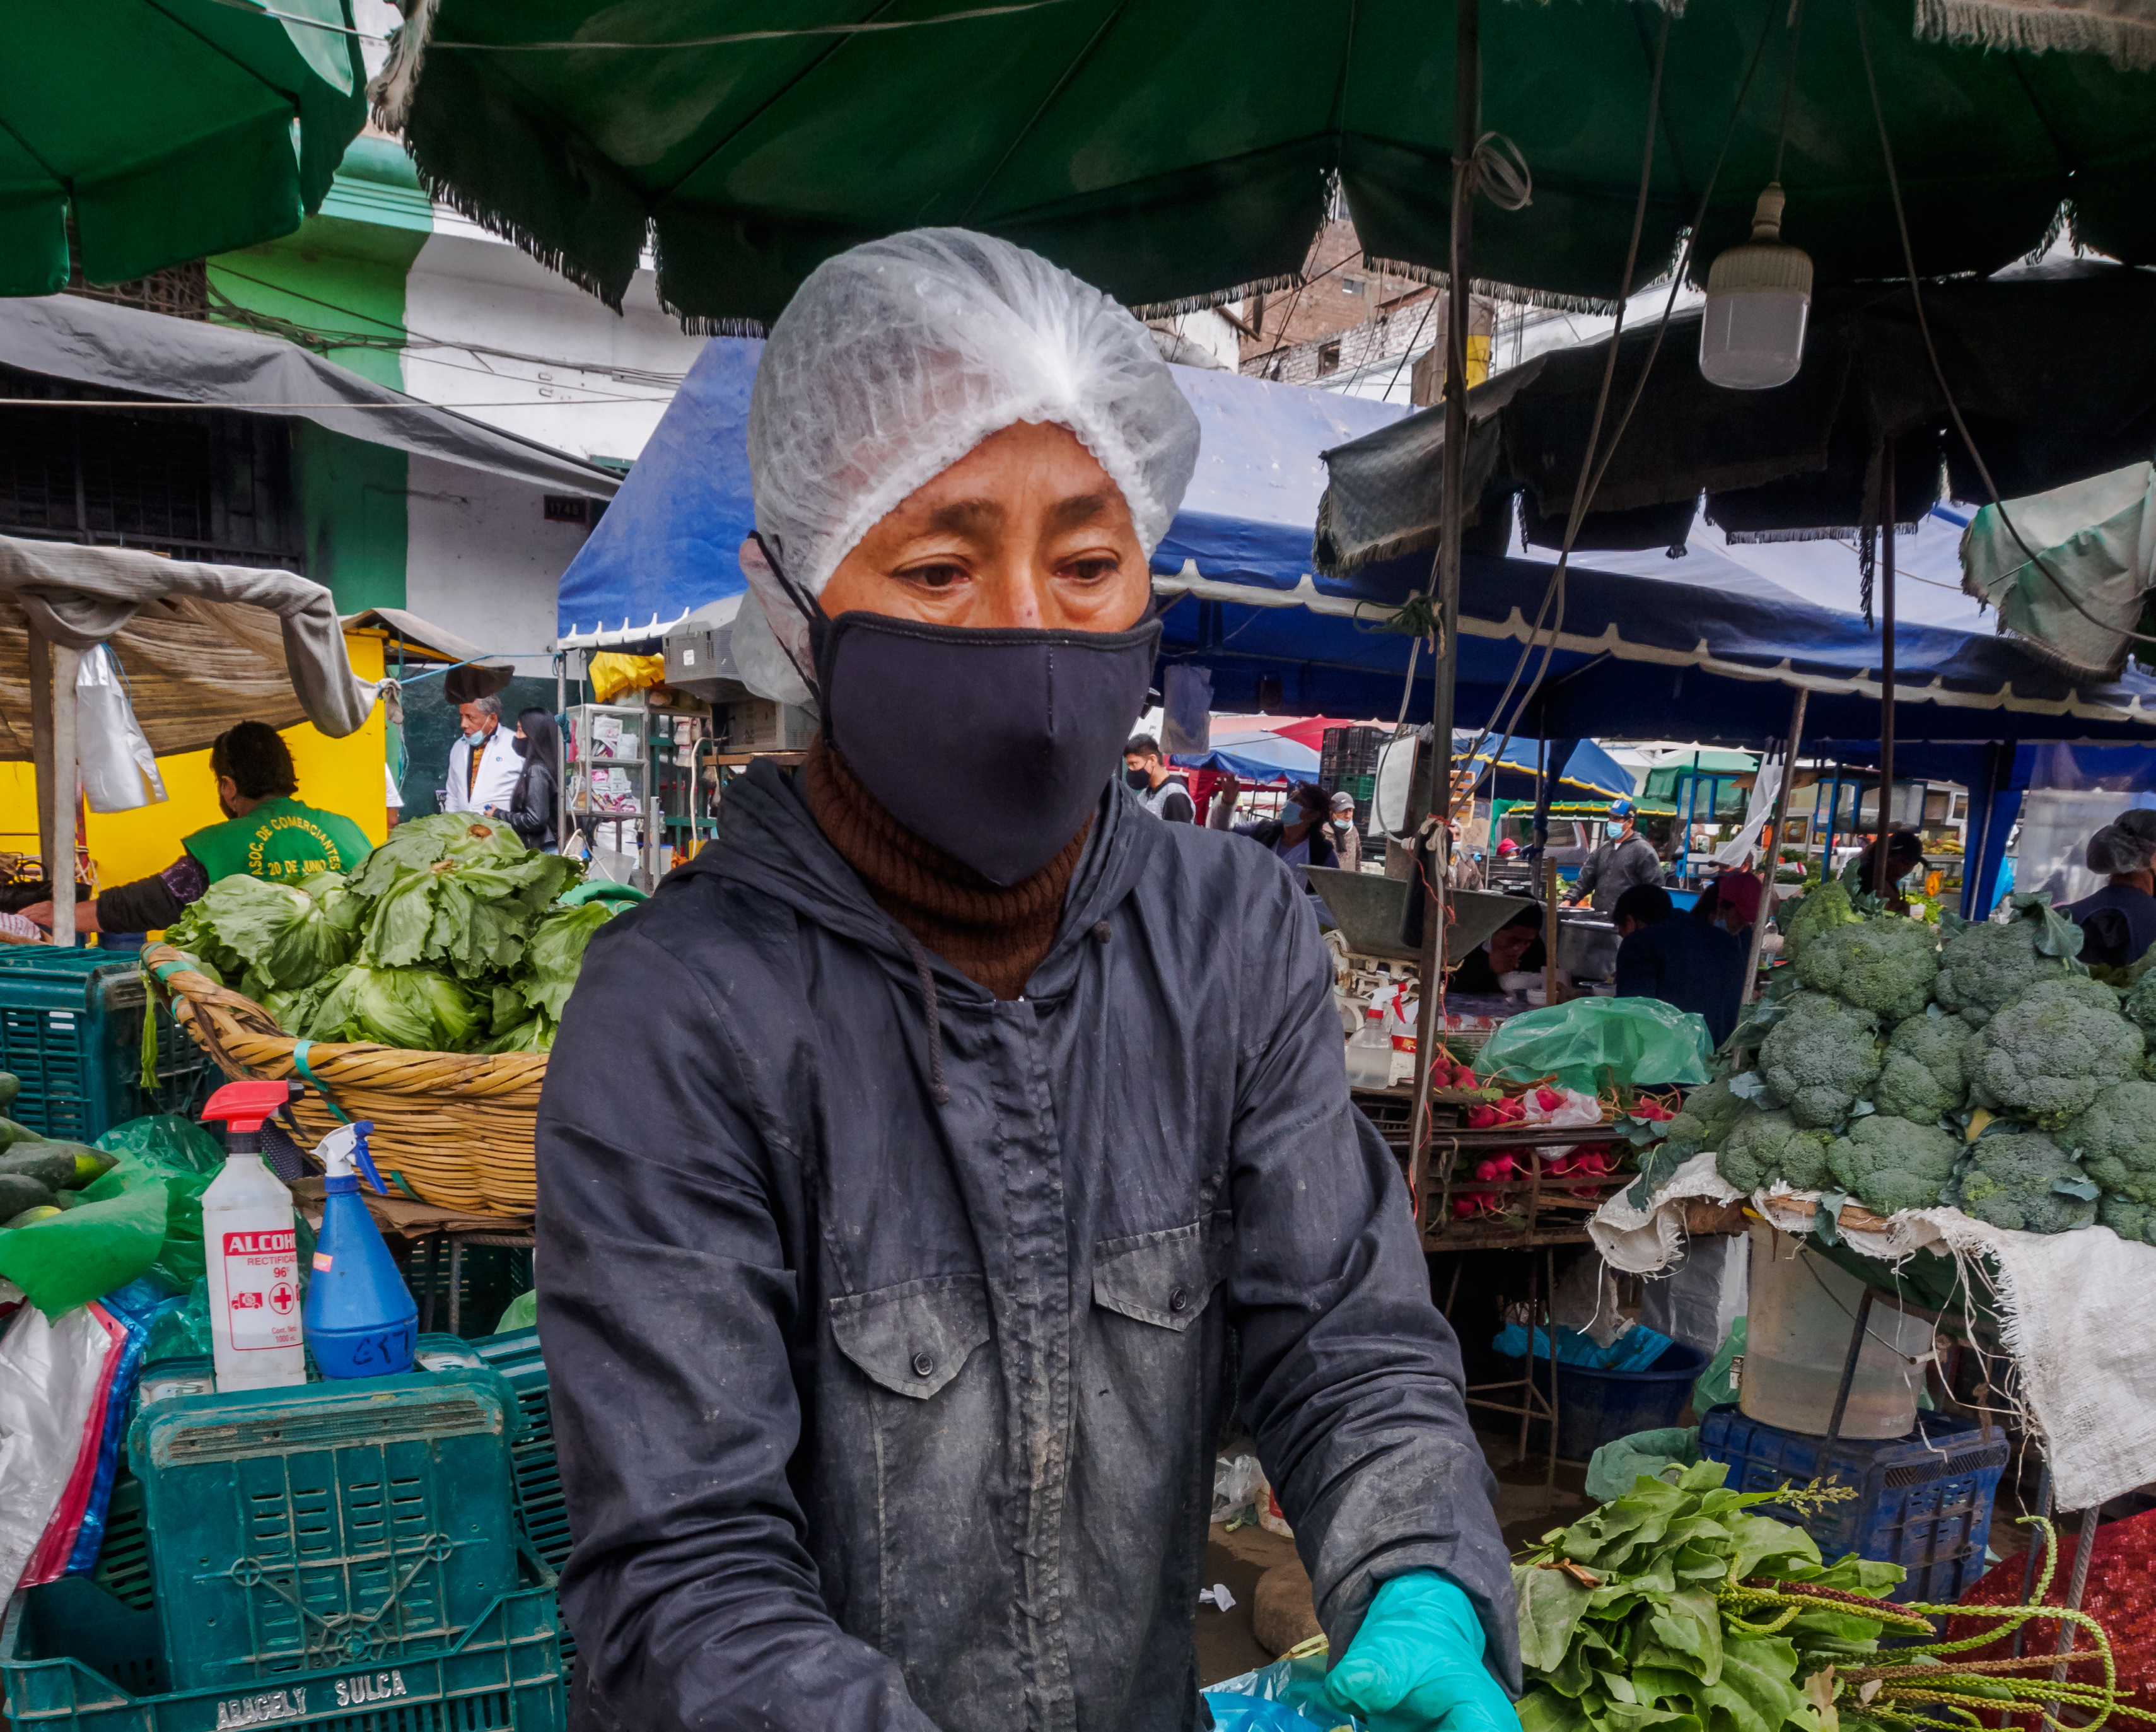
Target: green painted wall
pixel 338 281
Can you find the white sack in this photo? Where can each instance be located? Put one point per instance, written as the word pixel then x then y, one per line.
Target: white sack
pixel 118 768
pixel 51 1379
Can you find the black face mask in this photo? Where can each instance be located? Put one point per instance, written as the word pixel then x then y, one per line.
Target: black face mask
pixel 520 745
pixel 993 744
pixel 1137 781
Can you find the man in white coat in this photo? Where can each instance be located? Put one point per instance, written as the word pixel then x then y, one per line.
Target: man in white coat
pixel 483 763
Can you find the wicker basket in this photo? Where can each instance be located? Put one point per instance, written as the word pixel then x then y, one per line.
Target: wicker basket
pixel 458 1127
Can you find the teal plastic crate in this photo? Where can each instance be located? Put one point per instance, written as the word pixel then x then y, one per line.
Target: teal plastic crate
pixel 73 1657
pixel 329 1525
pixel 71 1032
pixel 542 1512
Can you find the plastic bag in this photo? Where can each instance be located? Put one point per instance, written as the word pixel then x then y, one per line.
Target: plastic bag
pixel 53 1380
pixel 1590 1043
pixel 182 1330
pixel 612 673
pixel 1613 1467
pixel 135 1308
pixel 1718 1384
pixel 522 1313
pixel 113 755
pixel 1239 1489
pixel 143 1218
pixel 1288 1696
pixel 1634 1350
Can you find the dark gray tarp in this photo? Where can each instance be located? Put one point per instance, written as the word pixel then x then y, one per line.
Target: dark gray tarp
pixel 2053 368
pixel 125 351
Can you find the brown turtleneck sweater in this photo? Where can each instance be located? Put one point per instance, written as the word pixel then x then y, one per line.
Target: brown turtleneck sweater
pixel 993 934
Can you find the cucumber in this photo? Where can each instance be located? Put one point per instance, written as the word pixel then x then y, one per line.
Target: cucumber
pixel 90 1164
pixel 19 1192
pixel 51 1164
pixel 12 1134
pixel 9 1085
pixel 30 1217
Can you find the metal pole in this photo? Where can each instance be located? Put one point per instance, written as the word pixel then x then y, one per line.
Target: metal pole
pixel 52 746
pixel 1467 128
pixel 1879 871
pixel 1848 1373
pixel 1767 874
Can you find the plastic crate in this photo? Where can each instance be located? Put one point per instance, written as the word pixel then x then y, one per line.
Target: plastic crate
pixel 1923 1501
pixel 73 1657
pixel 71 1032
pixel 542 1512
pixel 1348 762
pixel 331 1524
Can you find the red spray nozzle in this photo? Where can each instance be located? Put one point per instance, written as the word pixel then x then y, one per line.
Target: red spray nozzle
pixel 244 1105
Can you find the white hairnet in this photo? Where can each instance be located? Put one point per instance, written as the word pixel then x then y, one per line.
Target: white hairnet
pixel 2116 848
pixel 895 359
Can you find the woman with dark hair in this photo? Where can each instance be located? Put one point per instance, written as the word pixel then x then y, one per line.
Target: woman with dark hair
pixel 535 803
pixel 1515 948
pixel 1905 854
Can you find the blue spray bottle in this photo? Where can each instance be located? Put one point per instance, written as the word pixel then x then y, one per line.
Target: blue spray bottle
pixel 361 1319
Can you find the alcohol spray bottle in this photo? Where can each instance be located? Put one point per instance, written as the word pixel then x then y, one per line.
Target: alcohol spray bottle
pixel 250 1242
pixel 360 1318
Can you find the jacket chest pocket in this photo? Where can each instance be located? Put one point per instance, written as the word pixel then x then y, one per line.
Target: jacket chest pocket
pixel 1165 1279
pixel 913 1338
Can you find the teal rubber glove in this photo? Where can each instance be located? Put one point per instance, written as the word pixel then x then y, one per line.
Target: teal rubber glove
pixel 1416 1664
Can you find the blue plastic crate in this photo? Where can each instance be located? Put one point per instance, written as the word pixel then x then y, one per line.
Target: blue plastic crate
pixel 75 1659
pixel 328 1525
pixel 1923 1501
pixel 71 1032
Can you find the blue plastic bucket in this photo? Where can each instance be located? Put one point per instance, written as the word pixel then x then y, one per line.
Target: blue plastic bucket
pixel 1598 1407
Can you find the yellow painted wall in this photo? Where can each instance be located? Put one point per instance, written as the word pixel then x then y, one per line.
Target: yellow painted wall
pixel 337 775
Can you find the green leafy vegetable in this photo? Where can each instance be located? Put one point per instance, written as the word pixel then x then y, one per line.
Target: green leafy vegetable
pixel 272 937
pixel 415 1008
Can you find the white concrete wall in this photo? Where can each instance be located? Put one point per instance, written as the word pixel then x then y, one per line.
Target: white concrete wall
pixel 482 560
pixel 580 378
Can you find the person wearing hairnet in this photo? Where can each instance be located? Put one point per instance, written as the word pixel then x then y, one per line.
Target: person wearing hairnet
pixel 2118 922
pixel 929 1167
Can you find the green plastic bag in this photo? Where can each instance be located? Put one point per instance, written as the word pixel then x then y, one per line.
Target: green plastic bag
pixel 522 1313
pixel 1612 1468
pixel 143 1218
pixel 1717 1384
pixel 1590 1042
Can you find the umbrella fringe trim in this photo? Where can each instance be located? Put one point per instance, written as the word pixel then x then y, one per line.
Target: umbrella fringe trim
pixel 1759 538
pixel 1512 294
pixel 549 254
pixel 390 90
pixel 1216 297
pixel 2129 43
pixel 706 324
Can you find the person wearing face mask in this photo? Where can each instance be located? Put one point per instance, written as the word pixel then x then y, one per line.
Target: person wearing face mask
pixel 2118 922
pixel 990 1142
pixel 269 832
pixel 1347 840
pixel 1623 858
pixel 534 808
pixel 1163 792
pixel 1301 834
pixel 484 766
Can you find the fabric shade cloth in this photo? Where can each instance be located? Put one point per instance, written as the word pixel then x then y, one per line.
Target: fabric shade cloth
pixel 163 131
pixel 2123 31
pixel 2078 604
pixel 125 351
pixel 1166 153
pixel 1798 460
pixel 203 646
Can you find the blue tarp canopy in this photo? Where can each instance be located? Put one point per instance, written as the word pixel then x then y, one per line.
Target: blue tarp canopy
pixel 1261 758
pixel 1704 648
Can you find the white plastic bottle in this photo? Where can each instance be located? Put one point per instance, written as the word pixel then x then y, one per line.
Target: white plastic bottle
pixel 250 1242
pixel 1370 1053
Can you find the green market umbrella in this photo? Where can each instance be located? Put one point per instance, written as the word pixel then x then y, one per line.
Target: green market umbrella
pixel 165 130
pixel 1168 151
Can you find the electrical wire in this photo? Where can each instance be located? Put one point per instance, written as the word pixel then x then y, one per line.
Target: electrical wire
pixel 1584 493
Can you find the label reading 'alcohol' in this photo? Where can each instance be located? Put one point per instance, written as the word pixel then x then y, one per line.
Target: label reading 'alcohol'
pixel 262 1290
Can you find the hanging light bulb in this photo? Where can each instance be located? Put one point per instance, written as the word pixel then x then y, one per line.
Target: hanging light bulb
pixel 1759 296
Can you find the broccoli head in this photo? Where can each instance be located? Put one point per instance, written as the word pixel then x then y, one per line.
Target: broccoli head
pixel 2115 1140
pixel 1926 1071
pixel 1887 964
pixel 1820 1058
pixel 1763 1147
pixel 2050 1053
pixel 1986 966
pixel 2133 1222
pixel 1889 1164
pixel 1821 912
pixel 2010 1181
pixel 2140 1001
pixel 1704 1121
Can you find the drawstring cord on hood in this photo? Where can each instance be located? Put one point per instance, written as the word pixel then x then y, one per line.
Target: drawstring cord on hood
pixel 937 1086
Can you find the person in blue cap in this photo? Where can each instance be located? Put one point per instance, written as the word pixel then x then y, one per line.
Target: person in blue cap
pixel 1622 859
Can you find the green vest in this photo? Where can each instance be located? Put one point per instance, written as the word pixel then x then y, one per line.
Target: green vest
pixel 281 839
